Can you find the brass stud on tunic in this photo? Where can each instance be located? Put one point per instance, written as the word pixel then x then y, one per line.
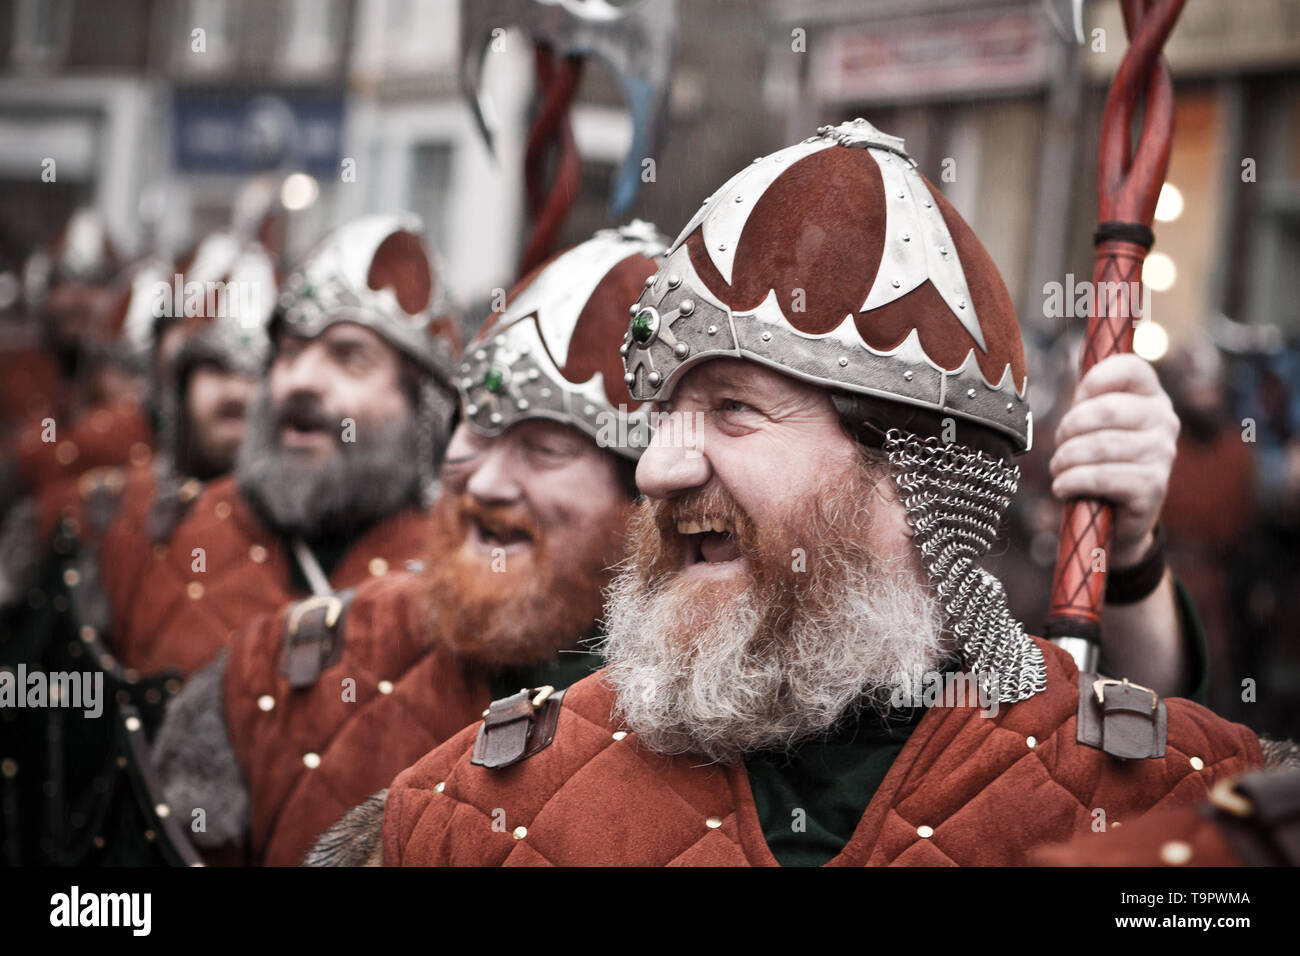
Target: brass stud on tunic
pixel 266 703
pixel 378 567
pixel 520 832
pixel 1176 852
pixel 1197 763
pixel 620 734
pixel 385 687
pixel 713 822
pixel 311 761
pixel 924 832
pixel 222 510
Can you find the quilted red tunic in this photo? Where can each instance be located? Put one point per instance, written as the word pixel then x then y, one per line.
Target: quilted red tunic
pixel 313 754
pixel 965 790
pixel 174 606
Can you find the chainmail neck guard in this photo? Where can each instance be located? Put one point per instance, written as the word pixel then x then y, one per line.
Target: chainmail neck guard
pixel 955 498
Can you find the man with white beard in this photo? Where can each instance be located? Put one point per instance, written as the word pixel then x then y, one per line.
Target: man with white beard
pixel 856 362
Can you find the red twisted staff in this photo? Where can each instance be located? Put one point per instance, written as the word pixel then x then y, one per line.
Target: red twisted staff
pixel 551 143
pixel 1128 185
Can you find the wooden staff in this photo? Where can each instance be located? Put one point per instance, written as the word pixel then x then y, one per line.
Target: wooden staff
pixel 1128 185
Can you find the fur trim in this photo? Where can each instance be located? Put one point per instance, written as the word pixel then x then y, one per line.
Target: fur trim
pixel 356 840
pixel 192 754
pixel 1279 753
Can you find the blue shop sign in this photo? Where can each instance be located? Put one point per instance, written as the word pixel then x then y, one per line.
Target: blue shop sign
pixel 246 133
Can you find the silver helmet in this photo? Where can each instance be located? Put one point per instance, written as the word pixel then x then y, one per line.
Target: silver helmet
pixel 552 352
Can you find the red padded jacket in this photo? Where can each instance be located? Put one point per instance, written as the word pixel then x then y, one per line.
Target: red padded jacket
pixel 167 614
pixel 309 755
pixel 965 790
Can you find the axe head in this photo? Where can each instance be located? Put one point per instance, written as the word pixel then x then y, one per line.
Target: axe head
pixel 1067 18
pixel 634 40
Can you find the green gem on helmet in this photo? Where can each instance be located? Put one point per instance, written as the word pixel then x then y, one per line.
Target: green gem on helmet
pixel 644 325
pixel 494 380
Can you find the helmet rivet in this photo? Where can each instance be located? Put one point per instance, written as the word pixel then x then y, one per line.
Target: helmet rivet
pixel 545 393
pixel 622 349
pixel 649 281
pixel 674 280
pixel 895 283
pixel 906 237
pixel 901 194
pixel 522 404
pixel 655 378
pixel 843 361
pixel 644 326
pixel 680 349
pixel 495 418
pixel 722 247
pixel 534 374
pixel 961 303
pixel 712 330
pixel 1010 406
pixel 588 409
pixel 686 306
pixel 740 198
pixel 943 250
pixel 480 355
pixel 629 379
pixel 633 309
pixel 471 410
pixel 970 393
pixel 907 376
pixel 767 336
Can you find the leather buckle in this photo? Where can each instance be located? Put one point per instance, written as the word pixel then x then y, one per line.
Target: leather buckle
pixel 333 608
pixel 517 727
pixel 1224 795
pixel 1124 719
pixel 1101 683
pixel 312 641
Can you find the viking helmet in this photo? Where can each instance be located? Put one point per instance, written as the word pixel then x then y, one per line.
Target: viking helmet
pixel 835 261
pixel 81 251
pixel 375 271
pixel 551 352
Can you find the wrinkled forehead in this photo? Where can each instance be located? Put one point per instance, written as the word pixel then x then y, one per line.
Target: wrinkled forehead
pixel 721 376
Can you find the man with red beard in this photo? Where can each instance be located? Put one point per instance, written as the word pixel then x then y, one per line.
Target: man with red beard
pixel 318 706
pixel 857 364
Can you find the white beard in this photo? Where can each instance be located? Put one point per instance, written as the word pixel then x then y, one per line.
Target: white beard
pixel 692 673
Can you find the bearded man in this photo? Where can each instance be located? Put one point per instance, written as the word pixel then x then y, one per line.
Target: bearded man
pixel 807 560
pixel 316 707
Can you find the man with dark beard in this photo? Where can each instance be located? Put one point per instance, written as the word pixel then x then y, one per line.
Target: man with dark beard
pixel 340 446
pixel 303 719
pixel 857 364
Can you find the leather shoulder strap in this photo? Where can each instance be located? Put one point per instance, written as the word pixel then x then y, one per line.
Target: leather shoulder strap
pixel 172 503
pixel 313 637
pixel 1123 719
pixel 516 727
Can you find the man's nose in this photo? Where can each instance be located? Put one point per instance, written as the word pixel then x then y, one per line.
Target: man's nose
pixel 674 461
pixel 304 372
pixel 495 480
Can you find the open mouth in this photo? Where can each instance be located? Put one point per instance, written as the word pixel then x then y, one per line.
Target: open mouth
pixel 709 541
pixel 298 428
pixel 489 536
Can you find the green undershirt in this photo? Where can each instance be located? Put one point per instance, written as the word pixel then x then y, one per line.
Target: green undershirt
pixel 810 801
